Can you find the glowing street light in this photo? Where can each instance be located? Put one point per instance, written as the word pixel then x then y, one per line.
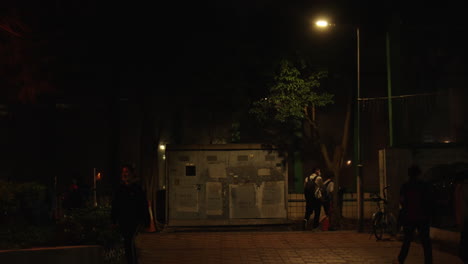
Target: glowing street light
pixel 321 23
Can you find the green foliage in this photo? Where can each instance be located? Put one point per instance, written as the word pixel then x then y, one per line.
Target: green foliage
pixel 24 211
pixel 283 111
pixel 16 236
pixel 24 215
pixel 8 203
pixel 22 222
pixel 84 226
pixel 22 202
pixel 91 225
pixel 235 132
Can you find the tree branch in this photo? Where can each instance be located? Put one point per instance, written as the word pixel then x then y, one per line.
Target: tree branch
pixel 9 30
pixel 345 138
pixel 325 156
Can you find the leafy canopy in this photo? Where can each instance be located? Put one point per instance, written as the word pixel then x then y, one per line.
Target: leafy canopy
pixel 291 97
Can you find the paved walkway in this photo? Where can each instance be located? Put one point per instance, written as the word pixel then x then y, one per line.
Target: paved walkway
pixel 276 247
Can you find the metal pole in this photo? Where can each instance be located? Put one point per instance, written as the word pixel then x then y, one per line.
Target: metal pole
pixel 389 92
pixel 94 187
pixel 359 189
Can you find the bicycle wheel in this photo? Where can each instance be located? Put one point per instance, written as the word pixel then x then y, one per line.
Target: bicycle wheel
pixel 392 227
pixel 378 226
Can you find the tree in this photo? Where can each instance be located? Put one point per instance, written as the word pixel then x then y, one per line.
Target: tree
pixel 335 162
pixel 287 114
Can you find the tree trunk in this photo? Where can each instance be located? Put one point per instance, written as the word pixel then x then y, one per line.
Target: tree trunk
pixel 149 140
pixel 335 165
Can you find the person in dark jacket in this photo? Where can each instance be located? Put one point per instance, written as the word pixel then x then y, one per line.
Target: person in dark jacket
pixel 130 211
pixel 313 204
pixel 73 198
pixel 416 200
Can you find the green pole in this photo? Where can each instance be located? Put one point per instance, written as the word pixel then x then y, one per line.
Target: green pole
pixel 389 92
pixel 298 173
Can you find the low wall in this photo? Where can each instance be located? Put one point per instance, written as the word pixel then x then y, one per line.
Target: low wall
pixel 52 255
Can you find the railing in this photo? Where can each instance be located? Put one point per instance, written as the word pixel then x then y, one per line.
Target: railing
pixel 296 206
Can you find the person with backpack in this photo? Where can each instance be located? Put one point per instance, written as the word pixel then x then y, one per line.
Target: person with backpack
pixel 327 201
pixel 312 192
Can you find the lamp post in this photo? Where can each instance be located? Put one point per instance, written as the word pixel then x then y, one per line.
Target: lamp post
pixel 357 129
pixel 357 135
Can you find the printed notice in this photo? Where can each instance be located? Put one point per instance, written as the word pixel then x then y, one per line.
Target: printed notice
pixel 264 172
pixel 186 198
pixel 214 198
pixel 242 203
pixel 272 200
pixel 217 170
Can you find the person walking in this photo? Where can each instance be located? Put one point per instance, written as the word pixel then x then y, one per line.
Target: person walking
pixel 461 212
pixel 312 185
pixel 129 211
pixel 416 200
pixel 73 198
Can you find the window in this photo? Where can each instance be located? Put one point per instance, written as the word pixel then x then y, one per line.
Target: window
pixel 242 158
pixel 184 158
pixel 211 158
pixel 190 170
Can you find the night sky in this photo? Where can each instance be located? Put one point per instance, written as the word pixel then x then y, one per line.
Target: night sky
pixel 213 55
pixel 181 44
pixel 191 46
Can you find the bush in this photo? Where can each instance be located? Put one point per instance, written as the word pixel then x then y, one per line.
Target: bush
pixel 91 226
pixel 25 203
pixel 26 236
pixel 25 222
pixel 24 215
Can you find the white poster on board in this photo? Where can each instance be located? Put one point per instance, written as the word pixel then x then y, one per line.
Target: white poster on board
pixel 214 198
pixel 217 170
pixel 186 198
pixel 264 172
pixel 271 199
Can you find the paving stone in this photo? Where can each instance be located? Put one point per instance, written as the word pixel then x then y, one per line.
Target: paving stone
pixel 291 247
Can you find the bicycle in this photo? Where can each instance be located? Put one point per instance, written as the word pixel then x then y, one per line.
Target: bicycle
pixel 383 221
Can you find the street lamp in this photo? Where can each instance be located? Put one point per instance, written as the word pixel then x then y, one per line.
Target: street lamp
pixel 322 23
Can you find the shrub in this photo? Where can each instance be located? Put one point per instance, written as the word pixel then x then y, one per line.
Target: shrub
pixel 24 215
pixel 25 203
pixel 26 236
pixel 91 226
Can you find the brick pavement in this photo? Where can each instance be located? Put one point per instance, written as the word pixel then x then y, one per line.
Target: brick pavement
pixel 276 247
